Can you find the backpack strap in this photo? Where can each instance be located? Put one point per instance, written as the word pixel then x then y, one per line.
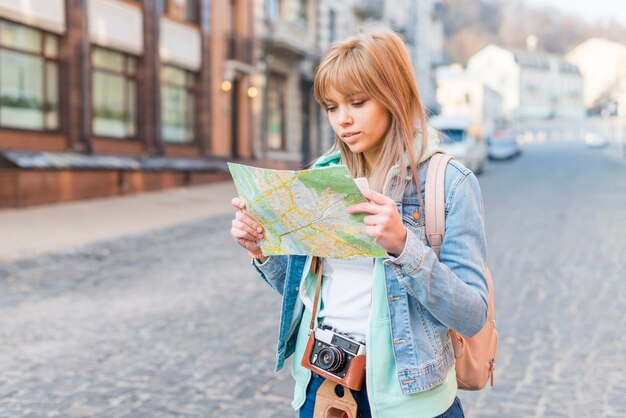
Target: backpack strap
pixel 435 201
pixel 436 218
pixel 475 356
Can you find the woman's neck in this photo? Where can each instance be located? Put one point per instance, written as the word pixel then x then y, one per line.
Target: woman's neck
pixel 371 162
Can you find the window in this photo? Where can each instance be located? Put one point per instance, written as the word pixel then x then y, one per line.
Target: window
pixel 180 10
pixel 332 26
pixel 178 104
pixel 192 11
pixel 29 78
pixel 162 6
pixel 276 112
pixel 114 93
pixel 303 13
pixel 272 10
pixel 451 135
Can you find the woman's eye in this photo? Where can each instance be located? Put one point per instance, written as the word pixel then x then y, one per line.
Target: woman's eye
pixel 330 108
pixel 358 104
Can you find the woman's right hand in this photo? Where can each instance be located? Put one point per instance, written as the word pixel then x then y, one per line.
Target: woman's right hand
pixel 245 230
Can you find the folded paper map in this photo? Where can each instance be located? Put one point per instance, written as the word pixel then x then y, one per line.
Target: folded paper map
pixel 304 212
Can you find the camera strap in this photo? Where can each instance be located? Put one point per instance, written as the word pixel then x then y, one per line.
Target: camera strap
pixel 317 269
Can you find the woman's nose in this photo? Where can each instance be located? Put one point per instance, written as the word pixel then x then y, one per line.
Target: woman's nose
pixel 344 117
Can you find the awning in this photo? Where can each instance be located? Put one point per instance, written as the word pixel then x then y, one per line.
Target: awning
pixel 75 161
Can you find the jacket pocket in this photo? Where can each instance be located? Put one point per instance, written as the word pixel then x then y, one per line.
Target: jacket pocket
pixel 413 219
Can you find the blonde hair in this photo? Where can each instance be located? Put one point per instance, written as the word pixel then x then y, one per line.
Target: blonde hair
pixel 376 63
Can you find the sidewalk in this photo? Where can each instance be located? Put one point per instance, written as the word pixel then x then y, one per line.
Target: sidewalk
pixel 40 229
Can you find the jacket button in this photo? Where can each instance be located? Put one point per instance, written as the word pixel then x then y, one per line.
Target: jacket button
pixel 416 215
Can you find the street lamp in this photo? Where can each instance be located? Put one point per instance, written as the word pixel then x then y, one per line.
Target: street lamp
pixel 226 85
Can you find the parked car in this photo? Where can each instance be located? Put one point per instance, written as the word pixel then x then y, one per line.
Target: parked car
pixel 461 139
pixel 502 145
pixel 595 140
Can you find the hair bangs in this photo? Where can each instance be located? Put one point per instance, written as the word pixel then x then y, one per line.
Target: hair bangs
pixel 346 73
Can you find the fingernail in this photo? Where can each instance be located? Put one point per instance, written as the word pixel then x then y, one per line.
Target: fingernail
pixel 259 229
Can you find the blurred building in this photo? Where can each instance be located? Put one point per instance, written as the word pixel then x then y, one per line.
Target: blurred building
pixel 462 94
pixel 292 36
pixel 429 49
pixel 107 97
pixel 603 65
pixel 533 85
pixel 288 37
pixel 233 78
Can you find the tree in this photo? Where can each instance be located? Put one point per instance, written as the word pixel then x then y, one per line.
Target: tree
pixel 469 25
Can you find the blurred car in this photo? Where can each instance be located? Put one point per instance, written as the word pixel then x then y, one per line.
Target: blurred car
pixel 503 145
pixel 460 138
pixel 595 140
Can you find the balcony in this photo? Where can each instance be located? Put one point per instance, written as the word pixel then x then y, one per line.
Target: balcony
pixel 369 9
pixel 240 49
pixel 287 37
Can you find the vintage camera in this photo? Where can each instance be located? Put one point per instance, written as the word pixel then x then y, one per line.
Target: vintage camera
pixel 336 356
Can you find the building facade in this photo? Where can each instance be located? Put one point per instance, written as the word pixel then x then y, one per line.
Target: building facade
pixel 292 35
pixel 603 64
pixel 106 97
pixel 232 76
pixel 462 94
pixel 427 48
pixel 533 85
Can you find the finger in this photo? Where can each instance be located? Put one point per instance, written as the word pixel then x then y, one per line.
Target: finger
pixel 254 234
pixel 247 245
pixel 240 234
pixel 376 197
pixel 372 231
pixel 371 220
pixel 249 221
pixel 238 203
pixel 366 207
pixel 250 245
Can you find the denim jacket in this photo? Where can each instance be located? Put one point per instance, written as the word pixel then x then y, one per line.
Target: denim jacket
pixel 425 296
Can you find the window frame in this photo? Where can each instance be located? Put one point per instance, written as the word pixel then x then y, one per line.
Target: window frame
pixel 273 10
pixel 282 94
pixel 192 12
pixel 190 89
pixel 45 61
pixel 127 77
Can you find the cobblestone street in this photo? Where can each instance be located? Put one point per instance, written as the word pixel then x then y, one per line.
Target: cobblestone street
pixel 175 323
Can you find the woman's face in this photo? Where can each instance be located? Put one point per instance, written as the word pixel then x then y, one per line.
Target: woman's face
pixel 359 121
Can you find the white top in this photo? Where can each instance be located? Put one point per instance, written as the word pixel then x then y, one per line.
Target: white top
pixel 347 295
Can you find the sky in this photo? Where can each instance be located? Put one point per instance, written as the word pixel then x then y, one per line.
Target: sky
pixel 589 10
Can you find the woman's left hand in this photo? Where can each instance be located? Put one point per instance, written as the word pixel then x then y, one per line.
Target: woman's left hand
pixel 383 223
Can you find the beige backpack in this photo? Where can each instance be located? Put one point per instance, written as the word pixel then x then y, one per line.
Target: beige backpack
pixel 475 356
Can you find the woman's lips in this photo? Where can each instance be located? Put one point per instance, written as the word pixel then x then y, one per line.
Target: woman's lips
pixel 350 137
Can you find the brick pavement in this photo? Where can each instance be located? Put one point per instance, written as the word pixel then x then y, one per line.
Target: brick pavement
pixel 175 323
pixel 555 223
pixel 156 325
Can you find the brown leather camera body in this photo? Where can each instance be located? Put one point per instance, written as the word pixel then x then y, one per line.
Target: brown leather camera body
pixel 354 376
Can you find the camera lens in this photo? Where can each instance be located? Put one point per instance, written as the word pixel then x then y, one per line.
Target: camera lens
pixel 330 359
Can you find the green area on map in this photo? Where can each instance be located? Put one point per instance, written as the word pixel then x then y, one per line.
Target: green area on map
pixel 304 212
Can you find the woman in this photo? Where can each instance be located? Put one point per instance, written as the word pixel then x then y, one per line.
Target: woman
pixel 402 305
